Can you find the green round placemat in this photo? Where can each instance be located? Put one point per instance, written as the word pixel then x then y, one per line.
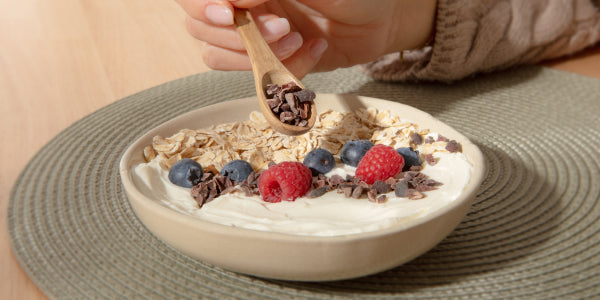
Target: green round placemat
pixel 533 231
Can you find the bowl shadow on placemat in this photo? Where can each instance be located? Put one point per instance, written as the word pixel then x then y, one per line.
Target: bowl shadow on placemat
pixel 507 223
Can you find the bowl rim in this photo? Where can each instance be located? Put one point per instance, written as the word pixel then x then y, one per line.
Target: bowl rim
pixel 475 157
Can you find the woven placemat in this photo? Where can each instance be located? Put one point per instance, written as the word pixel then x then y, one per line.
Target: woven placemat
pixel 533 232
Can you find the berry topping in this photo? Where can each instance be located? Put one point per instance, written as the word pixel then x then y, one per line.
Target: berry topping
pixel 353 151
pixel 379 163
pixel 186 173
pixel 319 161
pixel 411 157
pixel 237 170
pixel 284 181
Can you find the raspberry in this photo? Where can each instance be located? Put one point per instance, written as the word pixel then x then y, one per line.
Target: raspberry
pixel 284 181
pixel 379 163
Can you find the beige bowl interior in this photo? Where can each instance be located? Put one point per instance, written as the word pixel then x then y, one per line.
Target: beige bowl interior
pixel 290 257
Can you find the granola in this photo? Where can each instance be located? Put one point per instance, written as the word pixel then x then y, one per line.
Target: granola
pixel 255 141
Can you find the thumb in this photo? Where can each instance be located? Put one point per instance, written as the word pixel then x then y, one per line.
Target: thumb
pixel 306 58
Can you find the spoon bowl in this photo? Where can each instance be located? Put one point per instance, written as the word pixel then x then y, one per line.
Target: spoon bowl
pixel 267 69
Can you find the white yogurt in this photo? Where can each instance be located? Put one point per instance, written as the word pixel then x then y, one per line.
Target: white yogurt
pixel 329 215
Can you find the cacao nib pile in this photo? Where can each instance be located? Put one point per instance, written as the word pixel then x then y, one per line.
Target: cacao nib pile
pixel 290 103
pixel 408 184
pixel 214 184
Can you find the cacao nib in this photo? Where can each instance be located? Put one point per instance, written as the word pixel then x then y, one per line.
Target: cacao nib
pixel 416 138
pixel 305 95
pixel 372 195
pixel 430 159
pixel 290 103
pixel 380 199
pixel 453 146
pixel 357 192
pixel 381 187
pixel 318 192
pixel 415 195
pixel 401 188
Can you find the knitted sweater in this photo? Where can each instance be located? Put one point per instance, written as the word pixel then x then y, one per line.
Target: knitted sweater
pixel 484 36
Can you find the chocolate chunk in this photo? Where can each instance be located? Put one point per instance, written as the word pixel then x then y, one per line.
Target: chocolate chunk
pixel 416 138
pixel 251 178
pixel 272 90
pixel 430 159
pixel 391 181
pixel 415 168
pixel 372 195
pixel 425 188
pixel 303 111
pixel 319 183
pixel 305 95
pixel 212 194
pixel 220 182
pixel 318 192
pixel 207 176
pixel 401 188
pixel 431 182
pixel 415 195
pixel 381 187
pixel 336 180
pixel 285 107
pixel 199 192
pixel 274 104
pixel 287 117
pixel 357 192
pixel 429 140
pixel 229 183
pixel 291 101
pixel 442 138
pixel 379 199
pixel 347 190
pixel 231 189
pixel 453 146
pixel 212 185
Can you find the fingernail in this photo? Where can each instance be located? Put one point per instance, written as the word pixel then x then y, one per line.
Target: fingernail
pixel 318 48
pixel 289 43
pixel 219 15
pixel 278 26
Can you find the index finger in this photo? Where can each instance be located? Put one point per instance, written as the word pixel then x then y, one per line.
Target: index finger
pixel 247 3
pixel 216 12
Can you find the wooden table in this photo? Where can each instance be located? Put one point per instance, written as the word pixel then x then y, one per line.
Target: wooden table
pixel 62 60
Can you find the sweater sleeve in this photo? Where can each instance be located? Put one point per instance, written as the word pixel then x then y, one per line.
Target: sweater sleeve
pixel 484 36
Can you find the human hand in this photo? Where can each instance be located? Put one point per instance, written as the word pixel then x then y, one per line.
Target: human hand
pixel 311 35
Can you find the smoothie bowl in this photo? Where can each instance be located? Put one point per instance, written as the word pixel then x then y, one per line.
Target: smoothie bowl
pixel 344 224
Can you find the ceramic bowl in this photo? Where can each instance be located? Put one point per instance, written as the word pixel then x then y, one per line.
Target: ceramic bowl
pixel 295 257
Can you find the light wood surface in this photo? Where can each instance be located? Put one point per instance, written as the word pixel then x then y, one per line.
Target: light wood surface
pixel 61 60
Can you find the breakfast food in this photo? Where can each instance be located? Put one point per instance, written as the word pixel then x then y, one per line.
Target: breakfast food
pixel 353 172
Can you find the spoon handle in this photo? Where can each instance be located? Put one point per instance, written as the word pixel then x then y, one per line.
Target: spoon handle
pixel 263 60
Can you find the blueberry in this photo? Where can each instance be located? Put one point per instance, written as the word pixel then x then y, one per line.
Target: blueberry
pixel 411 157
pixel 237 170
pixel 319 161
pixel 186 173
pixel 354 150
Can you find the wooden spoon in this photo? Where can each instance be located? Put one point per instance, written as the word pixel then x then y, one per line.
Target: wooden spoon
pixel 267 69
